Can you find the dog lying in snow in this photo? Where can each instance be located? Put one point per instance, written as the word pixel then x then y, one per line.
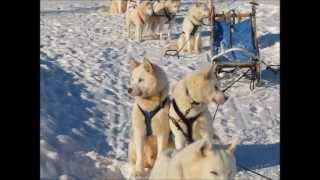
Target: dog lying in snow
pixel 150 86
pixel 139 17
pixel 164 12
pixel 199 160
pixel 189 116
pixel 190 38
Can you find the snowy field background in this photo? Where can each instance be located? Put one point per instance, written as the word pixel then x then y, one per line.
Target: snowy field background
pixel 85 107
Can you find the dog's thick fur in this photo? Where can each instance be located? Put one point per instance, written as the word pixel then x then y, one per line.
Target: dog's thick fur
pixel 149 151
pixel 150 86
pixel 188 42
pixel 199 160
pixel 139 17
pixel 131 4
pixel 201 87
pixel 158 19
pixel 116 7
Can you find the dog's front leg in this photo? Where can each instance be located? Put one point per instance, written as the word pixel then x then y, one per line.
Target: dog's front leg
pixel 179 140
pixel 171 24
pixel 128 23
pixel 206 131
pixel 128 29
pixel 119 7
pixel 160 29
pixel 138 33
pixel 197 43
pixel 162 143
pixel 139 143
pixel 189 44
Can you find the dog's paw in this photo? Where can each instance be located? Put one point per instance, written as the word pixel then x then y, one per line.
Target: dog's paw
pixel 138 172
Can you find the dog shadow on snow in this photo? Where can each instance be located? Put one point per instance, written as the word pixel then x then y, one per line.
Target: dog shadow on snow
pixel 270 78
pixel 69 124
pixel 257 156
pixel 268 40
pixel 65 111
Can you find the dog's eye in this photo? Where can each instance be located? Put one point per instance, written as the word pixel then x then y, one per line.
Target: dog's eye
pixel 140 80
pixel 214 173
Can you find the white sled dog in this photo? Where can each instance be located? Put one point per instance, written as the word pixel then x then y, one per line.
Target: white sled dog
pixel 199 160
pixel 139 17
pixel 189 116
pixel 190 38
pixel 149 85
pixel 164 12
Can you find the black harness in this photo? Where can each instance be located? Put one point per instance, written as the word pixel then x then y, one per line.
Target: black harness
pixel 187 121
pixel 148 115
pixel 166 14
pixel 169 15
pixel 195 29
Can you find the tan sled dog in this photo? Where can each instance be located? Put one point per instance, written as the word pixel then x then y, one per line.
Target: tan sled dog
pixel 200 160
pixel 139 17
pixel 189 115
pixel 164 12
pixel 149 85
pixel 190 38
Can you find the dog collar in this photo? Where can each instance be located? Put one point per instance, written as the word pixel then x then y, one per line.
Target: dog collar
pixel 154 98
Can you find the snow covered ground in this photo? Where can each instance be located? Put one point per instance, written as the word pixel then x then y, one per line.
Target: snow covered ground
pixel 85 107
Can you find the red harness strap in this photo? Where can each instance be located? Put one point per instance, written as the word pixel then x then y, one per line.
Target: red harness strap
pixel 140 17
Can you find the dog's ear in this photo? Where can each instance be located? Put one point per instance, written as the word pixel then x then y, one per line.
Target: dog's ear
pixel 232 147
pixel 209 73
pixel 147 65
pixel 133 63
pixel 202 147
